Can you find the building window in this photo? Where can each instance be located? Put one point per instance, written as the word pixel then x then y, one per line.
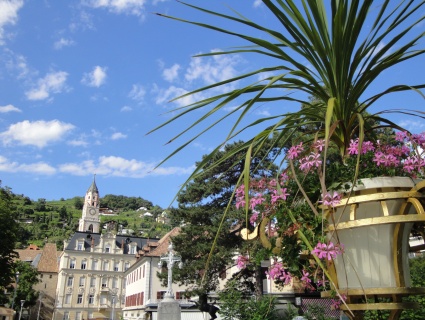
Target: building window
pixel 116 266
pixel 78 315
pixel 83 264
pixel 132 249
pixel 126 266
pixel 94 265
pixel 50 276
pixel 160 295
pixel 114 283
pixel 106 265
pixel 91 299
pixel 180 295
pixel 107 248
pixel 79 299
pixel 104 282
pixel 72 264
pixel 90 314
pixel 80 245
pixel 68 299
pixel 70 281
pixel 92 282
pixel 82 281
pixel 66 315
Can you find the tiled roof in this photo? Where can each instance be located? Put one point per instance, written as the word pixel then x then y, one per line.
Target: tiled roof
pixel 28 255
pixel 163 243
pixel 49 259
pixel 95 237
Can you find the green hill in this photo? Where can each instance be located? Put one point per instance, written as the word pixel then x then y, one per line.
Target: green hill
pixel 54 221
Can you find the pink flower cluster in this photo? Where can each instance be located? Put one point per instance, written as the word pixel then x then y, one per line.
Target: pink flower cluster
pixel 336 303
pixel 327 251
pixel 264 194
pixel 277 272
pixel 242 261
pixel 407 155
pixel 331 199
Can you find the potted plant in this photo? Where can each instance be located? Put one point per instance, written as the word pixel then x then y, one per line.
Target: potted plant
pixel 358 234
pixel 331 51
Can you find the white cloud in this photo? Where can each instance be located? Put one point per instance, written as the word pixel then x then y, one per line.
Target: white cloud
pixel 120 167
pixel 171 73
pixel 126 109
pixel 38 167
pixel 137 92
pixel 54 82
pixel 212 69
pixel 9 108
pixel 163 96
pixel 62 42
pixel 118 135
pixel 96 78
pixel 257 3
pixel 17 64
pixel 78 143
pixel 37 133
pixel 412 126
pixel 133 7
pixel 8 14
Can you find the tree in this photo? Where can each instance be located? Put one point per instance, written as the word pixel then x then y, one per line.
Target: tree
pixel 63 214
pixel 202 214
pixel 40 205
pixel 28 277
pixel 9 231
pixel 78 203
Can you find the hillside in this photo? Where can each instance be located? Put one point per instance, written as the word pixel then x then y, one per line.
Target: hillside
pixel 54 221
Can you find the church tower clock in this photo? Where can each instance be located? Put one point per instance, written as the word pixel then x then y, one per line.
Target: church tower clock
pixel 90 220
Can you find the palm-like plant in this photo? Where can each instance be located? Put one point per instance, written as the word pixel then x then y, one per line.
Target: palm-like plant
pixel 331 50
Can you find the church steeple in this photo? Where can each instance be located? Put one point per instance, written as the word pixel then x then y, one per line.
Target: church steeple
pixel 93 187
pixel 90 220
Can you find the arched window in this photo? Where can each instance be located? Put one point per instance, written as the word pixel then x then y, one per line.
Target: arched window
pixel 90 228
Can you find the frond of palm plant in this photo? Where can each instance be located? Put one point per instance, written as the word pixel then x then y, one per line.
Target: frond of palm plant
pixel 333 50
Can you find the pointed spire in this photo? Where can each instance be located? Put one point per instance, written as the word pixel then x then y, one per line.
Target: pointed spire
pixel 93 187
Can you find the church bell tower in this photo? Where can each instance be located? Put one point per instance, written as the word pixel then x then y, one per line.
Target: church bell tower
pixel 90 220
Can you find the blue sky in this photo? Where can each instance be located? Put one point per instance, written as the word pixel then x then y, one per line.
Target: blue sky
pixel 83 81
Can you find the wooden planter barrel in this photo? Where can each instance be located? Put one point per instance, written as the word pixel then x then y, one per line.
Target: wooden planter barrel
pixel 374 225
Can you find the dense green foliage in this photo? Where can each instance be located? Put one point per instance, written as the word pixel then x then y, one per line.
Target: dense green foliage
pixel 28 277
pixel 236 305
pixel 417 272
pixel 124 203
pixel 8 238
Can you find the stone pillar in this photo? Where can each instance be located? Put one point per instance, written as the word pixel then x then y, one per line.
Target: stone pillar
pixel 169 309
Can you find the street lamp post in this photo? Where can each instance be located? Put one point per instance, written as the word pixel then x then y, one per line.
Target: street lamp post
pixel 16 287
pixel 39 306
pixel 113 306
pixel 170 259
pixel 20 313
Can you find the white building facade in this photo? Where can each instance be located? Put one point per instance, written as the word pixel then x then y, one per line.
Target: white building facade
pixel 91 278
